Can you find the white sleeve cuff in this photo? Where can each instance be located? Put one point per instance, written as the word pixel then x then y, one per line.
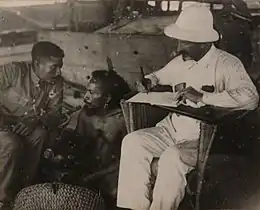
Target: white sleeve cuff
pixel 153 78
pixel 209 98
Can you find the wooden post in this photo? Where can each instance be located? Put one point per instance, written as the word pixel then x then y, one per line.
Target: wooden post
pixel 71 14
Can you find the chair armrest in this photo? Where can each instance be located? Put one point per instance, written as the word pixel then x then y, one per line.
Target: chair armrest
pixel 233 116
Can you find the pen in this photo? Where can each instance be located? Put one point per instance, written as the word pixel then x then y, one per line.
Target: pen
pixel 143 79
pixel 110 64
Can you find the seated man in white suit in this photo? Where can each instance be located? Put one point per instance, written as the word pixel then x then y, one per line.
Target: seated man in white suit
pixel 174 140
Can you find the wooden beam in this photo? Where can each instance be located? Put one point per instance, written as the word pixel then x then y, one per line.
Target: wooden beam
pixel 12 39
pixel 15 51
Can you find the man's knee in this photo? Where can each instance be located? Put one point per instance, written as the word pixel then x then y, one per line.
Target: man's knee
pixel 10 144
pixel 167 160
pixel 169 157
pixel 171 162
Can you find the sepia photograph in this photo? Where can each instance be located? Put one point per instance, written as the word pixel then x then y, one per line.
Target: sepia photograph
pixel 129 105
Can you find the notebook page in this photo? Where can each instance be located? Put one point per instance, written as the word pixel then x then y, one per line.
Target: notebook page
pixel 156 98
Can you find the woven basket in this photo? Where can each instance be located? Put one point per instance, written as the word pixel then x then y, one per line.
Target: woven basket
pixel 58 196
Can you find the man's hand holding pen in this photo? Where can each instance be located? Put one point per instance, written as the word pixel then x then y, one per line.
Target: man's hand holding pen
pixel 143 86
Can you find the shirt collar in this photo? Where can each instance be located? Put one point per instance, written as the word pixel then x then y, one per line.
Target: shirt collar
pixel 208 57
pixel 34 77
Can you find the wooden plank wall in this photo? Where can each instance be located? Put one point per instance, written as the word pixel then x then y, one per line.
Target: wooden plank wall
pixel 88 52
pixel 16 46
pixel 47 16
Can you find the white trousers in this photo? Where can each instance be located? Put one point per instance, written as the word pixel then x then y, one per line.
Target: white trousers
pixel 176 160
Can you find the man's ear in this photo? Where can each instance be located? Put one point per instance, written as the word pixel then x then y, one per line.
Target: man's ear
pixel 36 62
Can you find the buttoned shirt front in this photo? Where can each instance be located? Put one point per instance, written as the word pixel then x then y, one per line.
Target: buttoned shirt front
pixel 24 96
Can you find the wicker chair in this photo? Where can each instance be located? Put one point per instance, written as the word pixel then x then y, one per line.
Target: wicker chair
pixel 138 116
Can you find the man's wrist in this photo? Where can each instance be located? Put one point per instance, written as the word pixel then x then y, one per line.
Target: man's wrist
pixel 205 98
pixel 201 97
pixel 153 79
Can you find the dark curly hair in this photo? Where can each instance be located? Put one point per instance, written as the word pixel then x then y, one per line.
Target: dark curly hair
pixel 112 84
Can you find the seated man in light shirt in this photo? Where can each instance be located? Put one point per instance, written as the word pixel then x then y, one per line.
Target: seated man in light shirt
pixel 174 140
pixel 31 95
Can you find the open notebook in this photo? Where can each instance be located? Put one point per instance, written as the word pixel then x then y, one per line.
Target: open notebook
pixel 156 98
